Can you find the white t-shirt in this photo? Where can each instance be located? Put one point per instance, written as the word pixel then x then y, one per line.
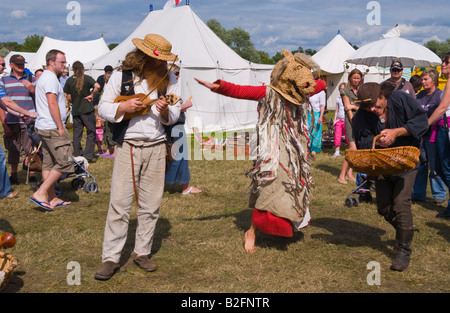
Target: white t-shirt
pixel 48 83
pixel 317 101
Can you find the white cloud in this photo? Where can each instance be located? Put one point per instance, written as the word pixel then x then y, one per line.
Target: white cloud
pixel 19 14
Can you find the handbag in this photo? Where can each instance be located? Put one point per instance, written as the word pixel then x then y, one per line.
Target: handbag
pixel 33 161
pixel 446 127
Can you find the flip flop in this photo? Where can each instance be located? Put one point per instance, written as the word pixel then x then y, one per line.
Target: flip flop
pixel 63 204
pixel 189 191
pixel 41 204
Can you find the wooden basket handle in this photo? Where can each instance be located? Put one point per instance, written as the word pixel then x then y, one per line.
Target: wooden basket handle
pixel 374 140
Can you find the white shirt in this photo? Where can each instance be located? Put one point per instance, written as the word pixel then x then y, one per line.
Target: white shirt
pixel 48 83
pixel 148 127
pixel 317 101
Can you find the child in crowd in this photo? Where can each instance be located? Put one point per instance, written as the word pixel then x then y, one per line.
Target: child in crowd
pixel 99 134
pixel 339 123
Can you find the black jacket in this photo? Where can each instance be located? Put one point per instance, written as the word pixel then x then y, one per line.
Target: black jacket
pixel 403 111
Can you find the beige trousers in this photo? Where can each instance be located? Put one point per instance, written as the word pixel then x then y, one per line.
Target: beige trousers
pixel 149 170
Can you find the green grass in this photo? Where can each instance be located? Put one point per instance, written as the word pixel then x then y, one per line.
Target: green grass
pixel 198 244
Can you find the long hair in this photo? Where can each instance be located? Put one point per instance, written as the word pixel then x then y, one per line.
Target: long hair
pixel 353 72
pixel 146 67
pixel 78 71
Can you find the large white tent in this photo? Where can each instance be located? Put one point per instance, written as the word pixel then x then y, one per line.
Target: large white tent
pixel 334 68
pixel 82 51
pixel 202 55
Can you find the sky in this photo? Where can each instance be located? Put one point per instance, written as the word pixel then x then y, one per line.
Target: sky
pixel 273 24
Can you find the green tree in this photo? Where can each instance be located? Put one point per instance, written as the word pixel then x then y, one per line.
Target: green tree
pixel 220 31
pixel 438 47
pixel 32 43
pixel 112 45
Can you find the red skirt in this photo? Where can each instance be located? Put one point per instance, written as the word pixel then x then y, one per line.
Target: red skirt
pixel 271 224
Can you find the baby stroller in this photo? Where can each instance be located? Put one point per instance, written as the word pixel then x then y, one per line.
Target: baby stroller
pixel 80 173
pixel 364 188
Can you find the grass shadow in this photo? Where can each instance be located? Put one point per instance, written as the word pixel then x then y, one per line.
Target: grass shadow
pixel 329 169
pixel 351 234
pixel 243 220
pixel 162 231
pixel 443 229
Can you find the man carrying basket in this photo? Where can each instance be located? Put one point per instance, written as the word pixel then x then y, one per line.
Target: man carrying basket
pixel 397 120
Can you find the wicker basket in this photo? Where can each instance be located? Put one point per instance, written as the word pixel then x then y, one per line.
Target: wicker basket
pixel 7 265
pixel 389 161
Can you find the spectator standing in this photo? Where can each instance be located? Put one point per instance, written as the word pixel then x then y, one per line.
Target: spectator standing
pixel 439 121
pixel 339 123
pixel 178 171
pixel 56 143
pixel 80 90
pixel 7 104
pixel 317 102
pixel 19 87
pixel 396 78
pixel 355 79
pixel 429 99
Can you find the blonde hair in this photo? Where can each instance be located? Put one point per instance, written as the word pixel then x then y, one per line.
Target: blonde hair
pixel 433 74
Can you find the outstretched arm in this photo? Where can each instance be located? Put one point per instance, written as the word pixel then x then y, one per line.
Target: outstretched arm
pixel 235 91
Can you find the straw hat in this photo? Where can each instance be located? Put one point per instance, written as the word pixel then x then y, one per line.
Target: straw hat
pixel 156 47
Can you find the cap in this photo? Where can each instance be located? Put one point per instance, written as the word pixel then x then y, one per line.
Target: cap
pixel 108 68
pixel 17 59
pixel 397 65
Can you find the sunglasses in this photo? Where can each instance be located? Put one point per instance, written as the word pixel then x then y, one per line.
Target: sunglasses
pixel 177 73
pixel 396 70
pixel 3 64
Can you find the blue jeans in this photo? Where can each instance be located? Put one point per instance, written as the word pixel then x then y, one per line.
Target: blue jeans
pixel 443 158
pixel 5 184
pixel 438 189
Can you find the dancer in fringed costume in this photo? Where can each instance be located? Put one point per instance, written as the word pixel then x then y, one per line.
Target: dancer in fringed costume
pixel 282 184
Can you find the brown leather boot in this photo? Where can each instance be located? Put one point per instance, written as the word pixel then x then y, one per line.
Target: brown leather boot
pixel 107 270
pixel 404 238
pixel 145 263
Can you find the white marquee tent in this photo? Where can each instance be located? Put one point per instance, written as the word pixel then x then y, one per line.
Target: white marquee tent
pixel 331 59
pixel 202 55
pixel 82 51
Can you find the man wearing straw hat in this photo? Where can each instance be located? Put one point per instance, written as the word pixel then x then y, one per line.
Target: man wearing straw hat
pixel 400 121
pixel 139 165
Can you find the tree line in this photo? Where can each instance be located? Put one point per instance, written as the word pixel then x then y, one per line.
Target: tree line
pixel 237 39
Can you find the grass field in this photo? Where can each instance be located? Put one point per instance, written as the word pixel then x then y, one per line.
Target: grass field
pixel 198 244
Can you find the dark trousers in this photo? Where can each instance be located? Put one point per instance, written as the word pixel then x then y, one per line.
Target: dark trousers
pixel 79 122
pixel 394 198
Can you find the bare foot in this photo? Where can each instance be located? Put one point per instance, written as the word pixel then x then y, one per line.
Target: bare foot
pixel 351 178
pixel 59 202
pixel 249 240
pixel 190 190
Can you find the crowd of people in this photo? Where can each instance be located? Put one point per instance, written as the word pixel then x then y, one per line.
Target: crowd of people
pixel 291 112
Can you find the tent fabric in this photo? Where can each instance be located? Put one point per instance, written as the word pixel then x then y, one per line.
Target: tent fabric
pixel 202 55
pixel 331 58
pixel 82 51
pixel 334 68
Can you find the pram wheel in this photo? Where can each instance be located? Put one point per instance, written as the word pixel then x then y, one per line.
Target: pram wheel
pixel 90 186
pixel 78 183
pixel 350 201
pixel 365 197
